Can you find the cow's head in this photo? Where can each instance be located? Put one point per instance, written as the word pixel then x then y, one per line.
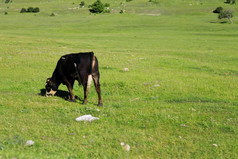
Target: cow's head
pixel 51 87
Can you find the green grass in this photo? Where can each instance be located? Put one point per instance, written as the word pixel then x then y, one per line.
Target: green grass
pixel 178 99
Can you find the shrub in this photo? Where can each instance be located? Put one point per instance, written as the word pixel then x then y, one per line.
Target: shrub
pixel 230 1
pixel 30 9
pixel 128 0
pixel 52 14
pixel 226 14
pixel 36 10
pixel 107 5
pixel 218 10
pixel 7 1
pixel 5 13
pixel 82 4
pixel 23 10
pixel 98 7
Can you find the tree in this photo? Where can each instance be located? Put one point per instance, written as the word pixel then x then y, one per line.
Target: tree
pixel 98 7
pixel 218 10
pixel 226 14
pixel 230 1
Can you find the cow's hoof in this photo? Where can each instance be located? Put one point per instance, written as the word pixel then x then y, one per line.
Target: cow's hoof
pixel 72 100
pixel 100 104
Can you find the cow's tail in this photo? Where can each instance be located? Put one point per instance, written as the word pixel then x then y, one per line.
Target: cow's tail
pixel 92 61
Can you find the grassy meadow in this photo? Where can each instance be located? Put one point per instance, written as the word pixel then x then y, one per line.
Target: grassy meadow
pixel 179 98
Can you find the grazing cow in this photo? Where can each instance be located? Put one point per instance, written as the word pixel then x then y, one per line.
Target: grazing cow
pixel 76 66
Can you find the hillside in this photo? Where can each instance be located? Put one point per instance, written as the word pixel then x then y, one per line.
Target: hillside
pixel 177 99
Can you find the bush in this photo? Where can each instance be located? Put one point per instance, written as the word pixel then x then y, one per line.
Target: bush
pixel 97 7
pixel 7 1
pixel 23 10
pixel 107 5
pixel 226 14
pixel 36 10
pixel 52 14
pixel 218 10
pixel 230 1
pixel 82 4
pixel 30 9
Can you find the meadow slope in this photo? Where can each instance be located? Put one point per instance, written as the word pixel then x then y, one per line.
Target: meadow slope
pixel 179 98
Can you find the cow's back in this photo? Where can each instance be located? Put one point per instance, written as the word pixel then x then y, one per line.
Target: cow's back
pixel 66 64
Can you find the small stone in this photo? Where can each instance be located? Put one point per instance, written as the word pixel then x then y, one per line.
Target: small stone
pixel 215 145
pixel 126 147
pixel 29 143
pixel 126 69
pixel 183 125
pixel 86 118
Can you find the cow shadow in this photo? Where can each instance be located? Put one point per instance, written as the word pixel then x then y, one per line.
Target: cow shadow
pixel 60 93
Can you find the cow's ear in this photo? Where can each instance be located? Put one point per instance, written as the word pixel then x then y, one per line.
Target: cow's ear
pixel 48 81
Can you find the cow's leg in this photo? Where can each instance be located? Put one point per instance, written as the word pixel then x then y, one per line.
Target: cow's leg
pixel 71 95
pixel 86 86
pixel 70 88
pixel 97 86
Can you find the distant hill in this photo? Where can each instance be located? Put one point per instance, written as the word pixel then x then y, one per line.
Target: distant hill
pixel 144 7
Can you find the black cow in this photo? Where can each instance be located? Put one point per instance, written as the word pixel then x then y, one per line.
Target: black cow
pixel 76 66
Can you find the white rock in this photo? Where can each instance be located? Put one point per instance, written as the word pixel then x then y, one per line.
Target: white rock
pixel 183 125
pixel 214 145
pixel 86 118
pixel 29 143
pixel 126 69
pixel 126 147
